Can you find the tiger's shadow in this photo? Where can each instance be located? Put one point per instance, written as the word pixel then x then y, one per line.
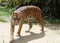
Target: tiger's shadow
pixel 25 39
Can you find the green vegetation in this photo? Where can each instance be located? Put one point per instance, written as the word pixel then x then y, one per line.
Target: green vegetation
pixel 51 21
pixel 4 11
pixel 2 20
pixel 0 0
pixel 50 8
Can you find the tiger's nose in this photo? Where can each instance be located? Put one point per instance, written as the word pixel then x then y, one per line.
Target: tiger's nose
pixel 16 21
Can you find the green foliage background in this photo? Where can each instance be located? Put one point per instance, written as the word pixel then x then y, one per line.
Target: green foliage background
pixel 50 8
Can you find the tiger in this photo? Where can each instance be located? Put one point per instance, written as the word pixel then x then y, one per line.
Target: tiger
pixel 18 16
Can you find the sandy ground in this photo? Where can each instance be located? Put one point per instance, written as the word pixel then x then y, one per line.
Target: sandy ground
pixel 51 34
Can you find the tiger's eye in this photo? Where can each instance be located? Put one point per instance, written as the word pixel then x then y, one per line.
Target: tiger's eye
pixel 14 18
pixel 18 17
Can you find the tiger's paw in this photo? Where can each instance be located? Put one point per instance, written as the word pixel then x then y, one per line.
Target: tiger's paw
pixel 27 31
pixel 18 35
pixel 42 30
pixel 11 38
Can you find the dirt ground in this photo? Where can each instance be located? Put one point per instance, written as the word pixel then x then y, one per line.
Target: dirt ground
pixel 51 34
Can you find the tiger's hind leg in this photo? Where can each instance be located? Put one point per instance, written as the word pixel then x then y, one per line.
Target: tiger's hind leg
pixel 40 21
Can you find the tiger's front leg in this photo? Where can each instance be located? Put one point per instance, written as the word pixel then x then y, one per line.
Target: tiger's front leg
pixel 11 32
pixel 20 27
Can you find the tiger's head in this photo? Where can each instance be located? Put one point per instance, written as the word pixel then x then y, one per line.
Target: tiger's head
pixel 15 18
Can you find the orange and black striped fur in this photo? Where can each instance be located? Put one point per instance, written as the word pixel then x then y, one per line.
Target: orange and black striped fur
pixel 21 13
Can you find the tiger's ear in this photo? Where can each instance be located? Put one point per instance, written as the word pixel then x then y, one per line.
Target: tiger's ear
pixel 12 13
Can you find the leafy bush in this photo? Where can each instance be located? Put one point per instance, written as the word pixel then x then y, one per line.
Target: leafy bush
pixel 4 11
pixel 2 20
pixel 49 8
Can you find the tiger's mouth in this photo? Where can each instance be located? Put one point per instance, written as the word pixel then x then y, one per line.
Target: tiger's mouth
pixel 16 24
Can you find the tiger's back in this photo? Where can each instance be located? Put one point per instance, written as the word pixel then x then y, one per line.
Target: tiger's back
pixel 29 11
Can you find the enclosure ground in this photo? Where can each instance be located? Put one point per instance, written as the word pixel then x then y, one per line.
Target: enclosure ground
pixel 51 34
